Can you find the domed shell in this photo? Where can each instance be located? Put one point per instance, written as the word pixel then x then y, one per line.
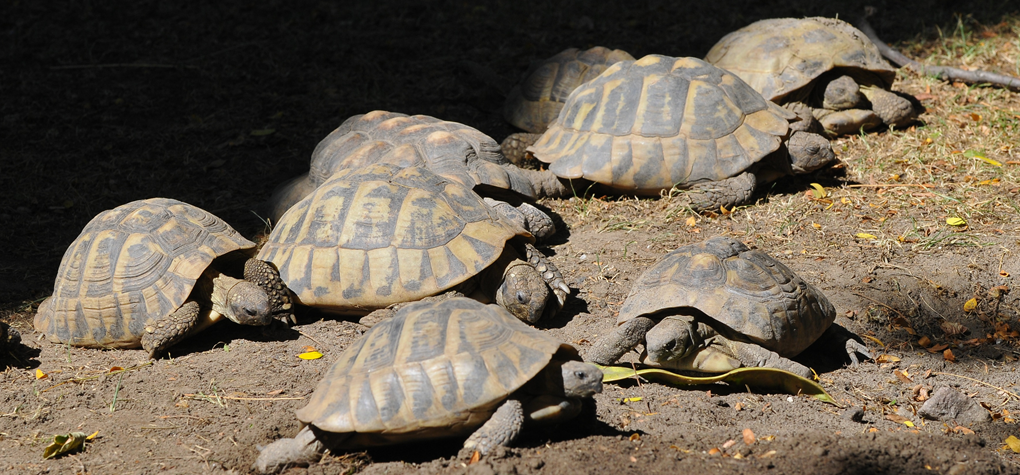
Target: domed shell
pixel 436 369
pixel 382 234
pixel 781 57
pixel 647 125
pixel 537 100
pixel 747 292
pixel 129 266
pixel 449 149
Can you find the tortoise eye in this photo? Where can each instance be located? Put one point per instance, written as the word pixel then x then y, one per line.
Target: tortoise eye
pixel 813 148
pixel 579 375
pixel 522 298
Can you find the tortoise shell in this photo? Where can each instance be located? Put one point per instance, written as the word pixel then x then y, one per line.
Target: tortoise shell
pixel 130 266
pixel 381 234
pixel 450 149
pixel 436 369
pixel 746 294
pixel 658 122
pixel 537 100
pixel 782 57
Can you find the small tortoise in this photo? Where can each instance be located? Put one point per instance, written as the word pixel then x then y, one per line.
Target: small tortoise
pixel 824 64
pixel 537 100
pixel 450 149
pixel 715 306
pixel 438 369
pixel 646 126
pixel 152 272
pixel 383 234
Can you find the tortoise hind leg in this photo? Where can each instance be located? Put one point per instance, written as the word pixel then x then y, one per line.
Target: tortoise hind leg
pixel 726 193
pixel 167 331
pixel 268 278
pixel 514 147
pixel 550 273
pixel 303 450
pixel 501 429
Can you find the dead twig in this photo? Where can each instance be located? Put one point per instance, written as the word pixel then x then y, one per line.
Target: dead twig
pixel 941 72
pixel 310 338
pixel 86 378
pixel 123 65
pixel 884 185
pixel 235 398
pixel 1015 395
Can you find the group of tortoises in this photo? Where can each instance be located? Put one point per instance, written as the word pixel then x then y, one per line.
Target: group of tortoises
pixel 398 209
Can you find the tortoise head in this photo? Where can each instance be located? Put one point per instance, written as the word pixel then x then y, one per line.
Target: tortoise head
pixel 242 301
pixel 523 292
pixel 671 340
pixel 809 152
pixel 842 93
pixel 580 379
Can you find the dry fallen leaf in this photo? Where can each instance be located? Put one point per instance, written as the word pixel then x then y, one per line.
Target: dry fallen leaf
pixel 903 376
pixel 475 457
pixel 691 221
pixel 1013 443
pixel 748 436
pixel 865 236
pixel 952 328
pixel 970 305
pixel 818 191
pixel 955 221
pixel 948 355
pixel 39 374
pixel 924 342
pixel 886 359
pixel 635 436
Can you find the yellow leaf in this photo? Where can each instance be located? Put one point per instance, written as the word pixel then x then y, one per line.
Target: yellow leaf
pixel 819 191
pixel 691 221
pixel 630 399
pixel 970 305
pixel 908 423
pixel 954 221
pixel 994 163
pixel 39 374
pixel 866 236
pixel 92 436
pixel 816 225
pixel 1013 443
pixel 876 340
pixel 310 355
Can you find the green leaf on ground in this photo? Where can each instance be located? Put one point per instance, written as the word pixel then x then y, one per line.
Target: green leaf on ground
pixel 766 379
pixel 63 444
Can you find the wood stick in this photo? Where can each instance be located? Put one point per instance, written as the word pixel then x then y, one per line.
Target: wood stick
pixel 941 72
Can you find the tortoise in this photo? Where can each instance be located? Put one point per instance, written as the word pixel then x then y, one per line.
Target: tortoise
pixel 716 305
pixel 150 273
pixel 450 149
pixel 822 63
pixel 438 369
pixel 647 126
pixel 383 234
pixel 537 100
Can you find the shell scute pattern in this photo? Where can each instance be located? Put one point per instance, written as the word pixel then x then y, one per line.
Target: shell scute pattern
pixel 443 382
pixel 745 290
pixel 384 231
pixel 780 57
pixel 538 99
pixel 660 121
pixel 131 265
pixel 450 149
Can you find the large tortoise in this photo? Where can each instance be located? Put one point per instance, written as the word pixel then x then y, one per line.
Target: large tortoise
pixel 151 272
pixel 715 306
pixel 823 63
pixel 449 149
pixel 537 100
pixel 438 369
pixel 383 234
pixel 647 126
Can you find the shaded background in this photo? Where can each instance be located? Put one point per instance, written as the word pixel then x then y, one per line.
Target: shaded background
pixel 112 101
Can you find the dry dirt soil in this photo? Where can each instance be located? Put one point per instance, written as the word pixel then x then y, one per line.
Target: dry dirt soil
pixel 215 104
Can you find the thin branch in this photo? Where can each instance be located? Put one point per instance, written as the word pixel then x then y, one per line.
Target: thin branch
pixel 941 72
pixel 979 382
pixel 123 65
